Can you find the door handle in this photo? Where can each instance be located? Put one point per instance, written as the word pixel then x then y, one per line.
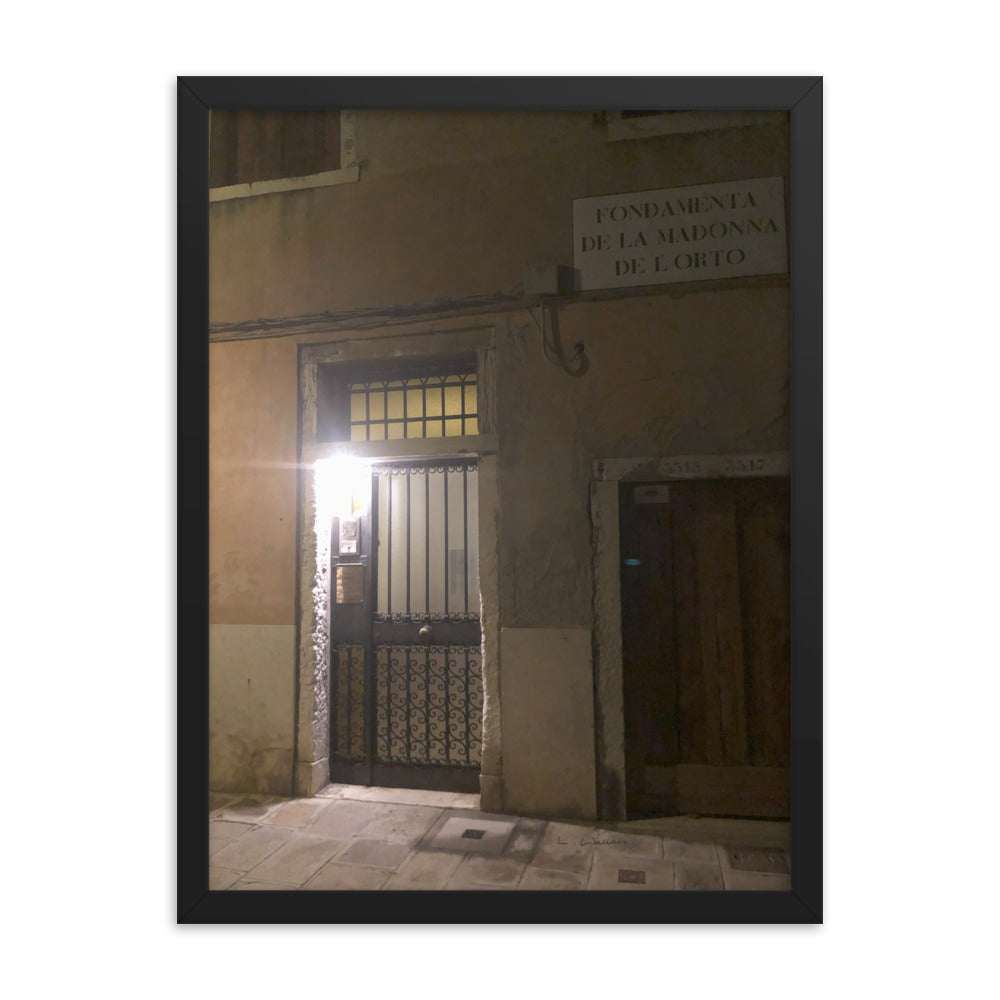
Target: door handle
pixel 425 633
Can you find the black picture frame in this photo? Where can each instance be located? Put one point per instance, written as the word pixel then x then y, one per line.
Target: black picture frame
pixel 802 98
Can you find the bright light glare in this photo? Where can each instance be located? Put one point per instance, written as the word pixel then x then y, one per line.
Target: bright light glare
pixel 343 486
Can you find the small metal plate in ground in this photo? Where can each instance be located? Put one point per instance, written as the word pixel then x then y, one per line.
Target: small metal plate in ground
pixel 470 835
pixel 757 859
pixel 632 875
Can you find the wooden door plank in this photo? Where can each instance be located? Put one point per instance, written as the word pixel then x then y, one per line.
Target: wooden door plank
pixel 720 791
pixel 691 712
pixel 721 634
pixel 766 602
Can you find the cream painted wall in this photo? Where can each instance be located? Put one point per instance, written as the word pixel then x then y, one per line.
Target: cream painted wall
pixel 547 694
pixel 449 205
pixel 251 695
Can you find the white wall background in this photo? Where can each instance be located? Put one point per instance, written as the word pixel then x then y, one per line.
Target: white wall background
pixel 911 361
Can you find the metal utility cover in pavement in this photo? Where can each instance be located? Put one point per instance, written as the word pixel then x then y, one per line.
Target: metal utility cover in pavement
pixel 757 859
pixel 468 834
pixel 632 875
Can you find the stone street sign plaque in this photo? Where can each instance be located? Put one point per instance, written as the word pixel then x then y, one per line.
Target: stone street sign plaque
pixel 698 233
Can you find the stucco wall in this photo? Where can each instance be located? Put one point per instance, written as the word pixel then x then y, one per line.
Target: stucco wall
pixel 428 222
pixel 252 511
pixel 700 373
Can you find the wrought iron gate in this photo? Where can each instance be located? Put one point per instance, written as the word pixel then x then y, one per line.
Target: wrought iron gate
pixel 406 666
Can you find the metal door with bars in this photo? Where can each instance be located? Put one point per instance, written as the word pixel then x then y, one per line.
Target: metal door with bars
pixel 406 663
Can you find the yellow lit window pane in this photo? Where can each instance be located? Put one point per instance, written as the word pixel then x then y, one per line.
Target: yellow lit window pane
pixel 414 403
pixel 395 432
pixel 472 426
pixel 435 428
pixel 453 428
pixel 395 406
pixel 358 432
pixel 433 401
pixel 357 406
pixel 378 432
pixel 470 399
pixel 414 428
pixel 376 406
pixel 453 400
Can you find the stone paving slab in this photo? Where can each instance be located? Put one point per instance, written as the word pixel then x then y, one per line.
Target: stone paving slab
pixel 524 840
pixel 250 849
pixel 375 853
pixel 341 820
pixel 562 847
pixel 699 854
pixel 398 823
pixel 337 876
pixel 350 837
pixel 295 813
pixel 411 796
pixel 483 872
pixel 655 875
pixel 470 835
pixel 297 859
pixel 253 884
pixel 222 832
pixel 425 870
pixel 756 881
pixel 614 844
pixel 547 879
pixel 221 878
pixel 692 877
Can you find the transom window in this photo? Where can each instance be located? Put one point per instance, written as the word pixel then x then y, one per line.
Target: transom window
pixel 393 406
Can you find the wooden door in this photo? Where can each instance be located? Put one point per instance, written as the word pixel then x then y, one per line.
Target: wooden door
pixel 706 647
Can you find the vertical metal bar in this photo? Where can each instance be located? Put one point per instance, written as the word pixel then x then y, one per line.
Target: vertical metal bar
pixel 335 702
pixel 446 649
pixel 446 538
pixel 406 426
pixel 349 718
pixel 368 411
pixel 468 737
pixel 465 531
pixel 371 657
pixel 427 704
pixel 427 536
pixel 444 424
pixel 409 476
pixel 388 539
pixel 406 718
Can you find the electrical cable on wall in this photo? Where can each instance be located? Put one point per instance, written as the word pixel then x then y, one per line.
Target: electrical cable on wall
pixel 576 364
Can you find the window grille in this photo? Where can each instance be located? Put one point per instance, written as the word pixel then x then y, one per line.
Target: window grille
pixel 395 406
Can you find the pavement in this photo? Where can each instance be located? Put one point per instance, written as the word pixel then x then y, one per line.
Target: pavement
pixel 354 837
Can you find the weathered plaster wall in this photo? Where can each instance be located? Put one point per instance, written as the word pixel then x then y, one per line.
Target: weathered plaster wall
pixel 252 509
pixel 252 482
pixel 250 707
pixel 548 722
pixel 704 372
pixel 451 210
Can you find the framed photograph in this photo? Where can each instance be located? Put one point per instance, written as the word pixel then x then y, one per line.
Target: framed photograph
pixel 500 500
